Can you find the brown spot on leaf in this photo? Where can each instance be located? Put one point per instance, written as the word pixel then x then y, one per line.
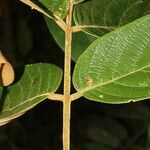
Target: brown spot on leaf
pixel 89 81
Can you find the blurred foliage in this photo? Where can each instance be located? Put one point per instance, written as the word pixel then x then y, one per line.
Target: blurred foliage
pixel 24 36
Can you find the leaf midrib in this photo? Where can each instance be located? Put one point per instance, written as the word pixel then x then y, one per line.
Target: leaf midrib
pixel 7 119
pixel 25 101
pixel 109 28
pixel 111 81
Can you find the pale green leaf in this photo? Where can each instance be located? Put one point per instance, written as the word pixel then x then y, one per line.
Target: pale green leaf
pixel 36 83
pixel 98 17
pixel 116 67
pixel 80 40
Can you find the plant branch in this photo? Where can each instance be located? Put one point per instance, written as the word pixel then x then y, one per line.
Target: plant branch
pixel 67 67
pixel 67 80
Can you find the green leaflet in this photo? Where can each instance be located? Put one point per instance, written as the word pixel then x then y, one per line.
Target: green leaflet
pixel 80 40
pixel 37 81
pixel 98 17
pixel 58 7
pixel 116 67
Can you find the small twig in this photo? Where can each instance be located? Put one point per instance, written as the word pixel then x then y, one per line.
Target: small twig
pixel 56 97
pixel 76 29
pixel 76 96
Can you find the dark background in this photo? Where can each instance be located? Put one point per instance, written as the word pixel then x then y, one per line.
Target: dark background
pixel 25 38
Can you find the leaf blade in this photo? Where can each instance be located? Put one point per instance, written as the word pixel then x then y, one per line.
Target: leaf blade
pixel 37 82
pixel 98 17
pixel 121 56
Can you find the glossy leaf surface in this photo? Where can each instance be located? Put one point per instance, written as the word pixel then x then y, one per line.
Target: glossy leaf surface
pixel 98 17
pixel 36 83
pixel 116 67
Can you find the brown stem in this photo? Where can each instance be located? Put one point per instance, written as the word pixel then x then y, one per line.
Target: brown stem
pixel 66 124
pixel 56 97
pixel 75 96
pixel 67 81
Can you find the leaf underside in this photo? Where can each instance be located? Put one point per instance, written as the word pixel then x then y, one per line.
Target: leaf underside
pixel 116 67
pixel 36 83
pixel 98 17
